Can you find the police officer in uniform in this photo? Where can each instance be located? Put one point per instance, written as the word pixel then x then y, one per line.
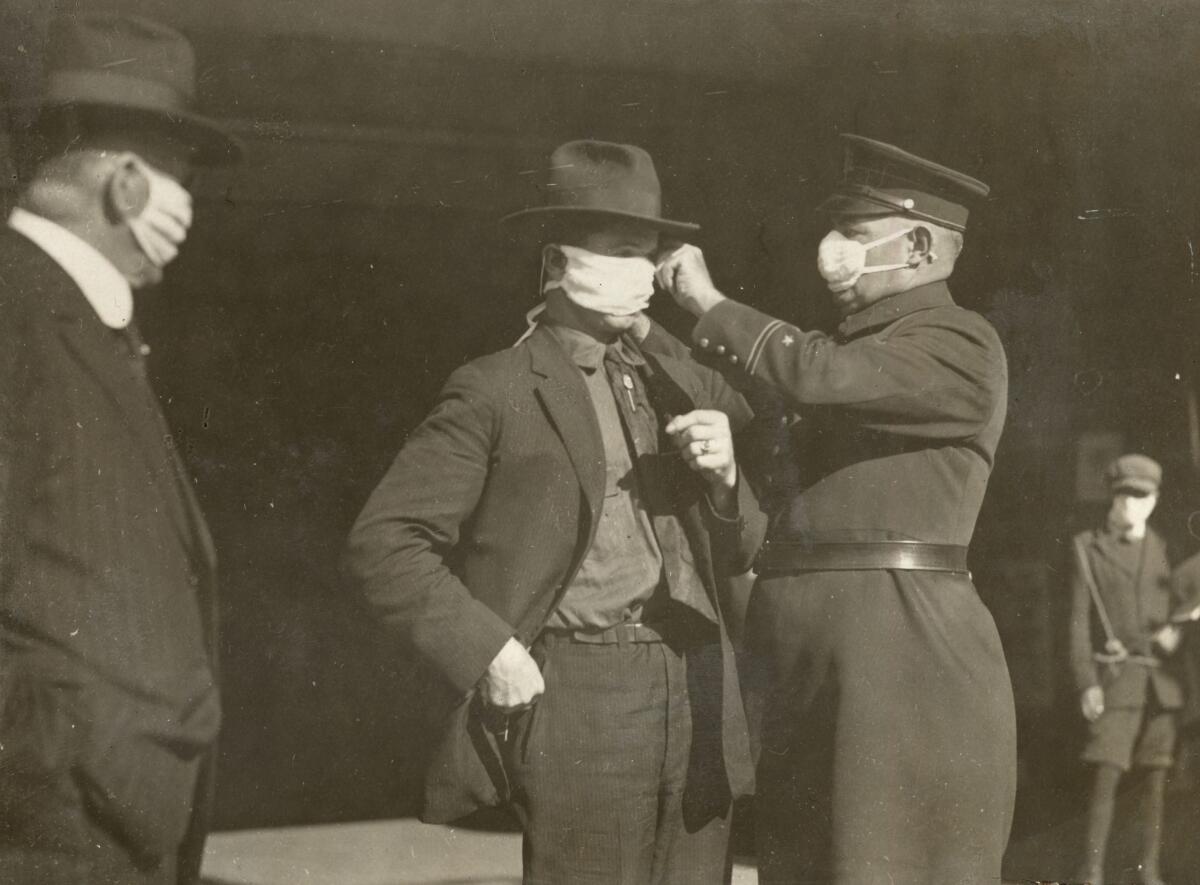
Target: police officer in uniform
pixel 1122 626
pixel 889 743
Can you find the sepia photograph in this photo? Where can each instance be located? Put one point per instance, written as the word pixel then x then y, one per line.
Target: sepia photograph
pixel 599 442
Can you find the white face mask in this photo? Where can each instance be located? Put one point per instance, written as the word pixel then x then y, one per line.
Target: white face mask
pixel 605 283
pixel 1128 514
pixel 163 223
pixel 842 260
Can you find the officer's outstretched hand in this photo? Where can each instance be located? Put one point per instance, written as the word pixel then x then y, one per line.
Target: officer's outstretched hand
pixel 706 444
pixel 513 680
pixel 1092 703
pixel 684 274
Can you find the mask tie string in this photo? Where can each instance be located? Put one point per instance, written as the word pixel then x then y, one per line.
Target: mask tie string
pixel 531 322
pixel 531 315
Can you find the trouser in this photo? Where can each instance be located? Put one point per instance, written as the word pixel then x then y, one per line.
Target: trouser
pixel 600 770
pixel 1151 784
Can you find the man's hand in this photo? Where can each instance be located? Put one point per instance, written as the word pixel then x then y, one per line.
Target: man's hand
pixel 1092 703
pixel 706 444
pixel 512 681
pixel 684 274
pixel 1167 638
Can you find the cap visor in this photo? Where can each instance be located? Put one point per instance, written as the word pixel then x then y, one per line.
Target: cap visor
pixel 843 204
pixel 543 219
pixel 1138 486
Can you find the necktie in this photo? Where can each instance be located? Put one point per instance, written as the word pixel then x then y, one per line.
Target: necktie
pixel 636 412
pixel 656 478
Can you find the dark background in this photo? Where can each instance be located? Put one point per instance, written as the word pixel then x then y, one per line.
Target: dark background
pixel 331 284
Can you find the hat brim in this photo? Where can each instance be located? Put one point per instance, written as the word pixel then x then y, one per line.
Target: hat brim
pixel 211 144
pixel 545 217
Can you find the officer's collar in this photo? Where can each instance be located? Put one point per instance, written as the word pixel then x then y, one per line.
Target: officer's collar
pixel 896 306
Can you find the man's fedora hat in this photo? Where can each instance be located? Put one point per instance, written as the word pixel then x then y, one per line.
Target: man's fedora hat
pixel 881 179
pixel 128 70
pixel 600 180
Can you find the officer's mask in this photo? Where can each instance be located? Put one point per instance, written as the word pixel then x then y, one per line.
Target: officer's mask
pixel 842 260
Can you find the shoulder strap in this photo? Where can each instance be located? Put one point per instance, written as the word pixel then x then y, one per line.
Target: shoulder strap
pixel 1085 569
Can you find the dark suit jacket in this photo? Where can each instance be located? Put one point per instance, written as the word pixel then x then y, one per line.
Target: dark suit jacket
pixel 1136 609
pixel 106 574
pixel 486 515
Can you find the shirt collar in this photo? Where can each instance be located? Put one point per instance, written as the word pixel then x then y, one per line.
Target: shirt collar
pixel 896 306
pixel 101 283
pixel 588 352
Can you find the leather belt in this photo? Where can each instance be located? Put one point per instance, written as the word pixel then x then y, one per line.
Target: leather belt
pixel 794 557
pixel 621 634
pixel 1140 660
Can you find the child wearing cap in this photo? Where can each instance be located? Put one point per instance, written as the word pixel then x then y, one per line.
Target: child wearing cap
pixel 1122 631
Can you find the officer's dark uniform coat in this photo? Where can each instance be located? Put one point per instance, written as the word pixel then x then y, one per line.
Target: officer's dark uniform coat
pixel 889 742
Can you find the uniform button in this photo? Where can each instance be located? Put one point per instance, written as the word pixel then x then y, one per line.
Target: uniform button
pixel 720 350
pixel 704 343
pixel 193 579
pixel 733 358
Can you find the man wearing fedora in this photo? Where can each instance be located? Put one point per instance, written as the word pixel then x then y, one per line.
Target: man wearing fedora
pixel 108 701
pixel 551 539
pixel 889 748
pixel 1126 613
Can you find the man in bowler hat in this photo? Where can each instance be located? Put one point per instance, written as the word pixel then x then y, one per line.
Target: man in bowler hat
pixel 108 699
pixel 1125 623
pixel 551 539
pixel 888 745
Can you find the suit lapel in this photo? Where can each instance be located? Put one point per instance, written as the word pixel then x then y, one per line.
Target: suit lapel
pixel 1117 577
pixel 92 343
pixel 208 549
pixel 671 389
pixel 671 386
pixel 564 396
pixel 1107 553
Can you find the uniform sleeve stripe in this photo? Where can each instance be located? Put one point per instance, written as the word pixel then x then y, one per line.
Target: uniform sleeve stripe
pixel 760 343
pixel 752 359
